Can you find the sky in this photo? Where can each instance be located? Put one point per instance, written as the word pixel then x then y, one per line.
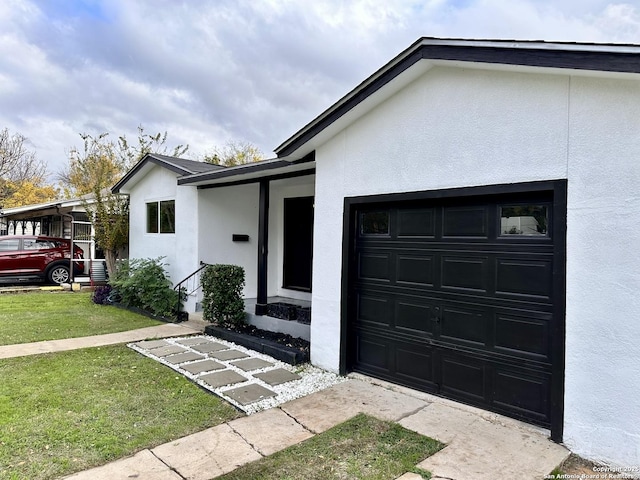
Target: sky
pixel 210 72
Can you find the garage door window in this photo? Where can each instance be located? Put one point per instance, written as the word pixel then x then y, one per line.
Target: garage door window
pixel 529 220
pixel 374 223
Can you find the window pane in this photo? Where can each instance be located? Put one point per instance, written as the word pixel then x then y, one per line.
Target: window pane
pixel 524 220
pixel 374 223
pixel 152 217
pixel 168 216
pixel 8 245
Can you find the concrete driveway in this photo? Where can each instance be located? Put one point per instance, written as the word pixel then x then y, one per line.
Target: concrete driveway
pixel 480 445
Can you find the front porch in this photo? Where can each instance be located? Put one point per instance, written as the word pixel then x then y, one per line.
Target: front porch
pixel 296 313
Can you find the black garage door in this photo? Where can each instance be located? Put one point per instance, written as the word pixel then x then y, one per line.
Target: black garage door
pixel 457 296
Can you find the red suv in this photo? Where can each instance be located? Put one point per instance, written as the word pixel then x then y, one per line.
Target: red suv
pixel 35 256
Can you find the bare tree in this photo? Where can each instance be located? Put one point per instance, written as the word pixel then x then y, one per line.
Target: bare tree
pixel 17 164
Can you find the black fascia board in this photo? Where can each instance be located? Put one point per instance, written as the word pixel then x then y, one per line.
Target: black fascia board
pixel 160 160
pixel 233 171
pixel 579 59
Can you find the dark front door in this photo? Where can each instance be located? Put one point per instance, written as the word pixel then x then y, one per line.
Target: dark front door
pixel 298 243
pixel 455 296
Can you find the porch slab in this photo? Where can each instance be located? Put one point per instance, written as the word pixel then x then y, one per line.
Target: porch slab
pixel 251 364
pixel 248 394
pixel 204 366
pixel 166 351
pixel 209 346
pixel 183 357
pixel 220 379
pixel 277 376
pixel 270 431
pixel 228 355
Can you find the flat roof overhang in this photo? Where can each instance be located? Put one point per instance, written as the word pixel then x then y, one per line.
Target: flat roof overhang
pixel 252 172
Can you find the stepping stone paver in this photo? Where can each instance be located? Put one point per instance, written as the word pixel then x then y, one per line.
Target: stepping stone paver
pixel 251 364
pixel 192 341
pixel 209 347
pixel 249 393
pixel 183 357
pixel 147 344
pixel 220 379
pixel 277 376
pixel 168 350
pixel 228 354
pixel 204 366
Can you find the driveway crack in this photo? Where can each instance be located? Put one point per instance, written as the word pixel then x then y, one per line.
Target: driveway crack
pixel 296 420
pixel 168 466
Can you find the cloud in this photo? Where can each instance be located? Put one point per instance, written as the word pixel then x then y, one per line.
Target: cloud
pixel 209 72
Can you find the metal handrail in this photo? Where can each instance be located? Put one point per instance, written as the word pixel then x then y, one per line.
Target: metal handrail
pixel 178 287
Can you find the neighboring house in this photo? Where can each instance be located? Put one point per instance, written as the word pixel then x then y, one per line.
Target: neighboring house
pixel 406 183
pixel 58 218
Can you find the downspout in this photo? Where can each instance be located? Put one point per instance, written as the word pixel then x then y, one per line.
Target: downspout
pixel 70 217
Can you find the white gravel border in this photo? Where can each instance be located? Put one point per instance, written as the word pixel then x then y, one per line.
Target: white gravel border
pixel 313 378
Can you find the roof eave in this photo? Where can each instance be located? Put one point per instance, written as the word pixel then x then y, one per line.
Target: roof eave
pixel 550 55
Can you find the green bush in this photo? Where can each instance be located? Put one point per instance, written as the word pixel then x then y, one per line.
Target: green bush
pixel 143 283
pixel 222 294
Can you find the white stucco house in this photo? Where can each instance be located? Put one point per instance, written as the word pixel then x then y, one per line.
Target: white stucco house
pixel 389 212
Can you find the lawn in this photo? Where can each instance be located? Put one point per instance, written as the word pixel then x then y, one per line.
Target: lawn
pixel 69 411
pixel 363 447
pixel 38 316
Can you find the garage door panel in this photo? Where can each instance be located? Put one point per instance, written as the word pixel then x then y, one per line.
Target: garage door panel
pixel 460 324
pixel 463 378
pixel 414 365
pixel 374 266
pixel 414 317
pixel 465 221
pixel 469 273
pixel 372 353
pixel 442 300
pixel 524 277
pixel 521 393
pixel 415 270
pixel 375 309
pixel 417 222
pixel 523 335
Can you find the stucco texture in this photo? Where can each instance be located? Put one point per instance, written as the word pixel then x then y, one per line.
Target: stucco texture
pixel 456 127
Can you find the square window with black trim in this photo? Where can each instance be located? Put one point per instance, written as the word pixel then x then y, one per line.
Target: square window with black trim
pixel 525 220
pixel 161 217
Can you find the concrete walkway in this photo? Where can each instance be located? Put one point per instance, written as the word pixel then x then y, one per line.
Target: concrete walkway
pixel 480 445
pixel 49 346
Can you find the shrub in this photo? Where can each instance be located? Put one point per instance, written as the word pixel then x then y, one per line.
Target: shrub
pixel 101 294
pixel 143 283
pixel 222 294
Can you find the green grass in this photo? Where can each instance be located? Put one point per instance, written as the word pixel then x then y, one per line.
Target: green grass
pixel 70 411
pixel 34 317
pixel 363 448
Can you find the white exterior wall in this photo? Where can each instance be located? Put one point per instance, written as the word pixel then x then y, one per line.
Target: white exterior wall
pixel 227 210
pixel 463 127
pixel 159 184
pixel 602 376
pixel 223 212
